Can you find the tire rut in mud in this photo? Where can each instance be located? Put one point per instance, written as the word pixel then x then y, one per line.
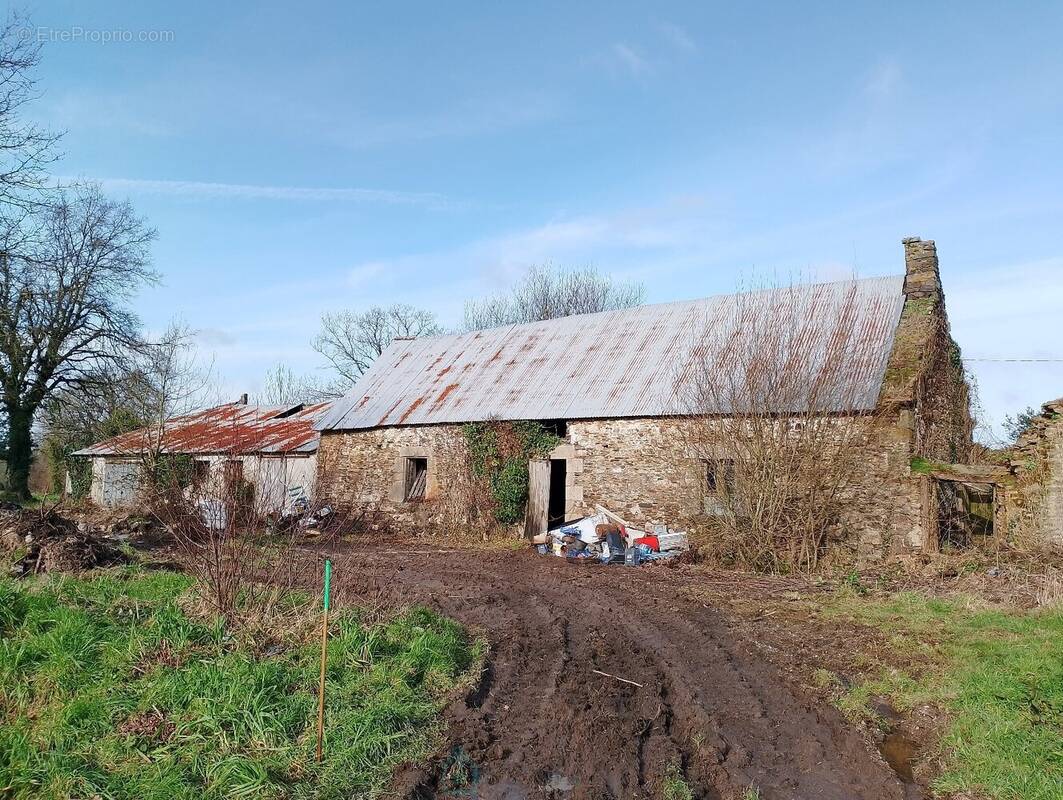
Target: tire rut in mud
pixel 540 723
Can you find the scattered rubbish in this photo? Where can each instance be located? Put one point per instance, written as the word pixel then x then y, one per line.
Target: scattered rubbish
pixel 610 539
pixel 673 541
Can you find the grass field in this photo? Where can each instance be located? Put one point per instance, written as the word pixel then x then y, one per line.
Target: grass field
pixel 108 689
pixel 999 675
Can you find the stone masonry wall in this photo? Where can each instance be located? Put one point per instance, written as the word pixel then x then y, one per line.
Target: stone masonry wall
pixel 366 469
pixel 642 469
pixel 925 395
pixel 1035 501
pixel 647 471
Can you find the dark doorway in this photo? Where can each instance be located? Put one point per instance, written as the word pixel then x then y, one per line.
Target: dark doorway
pixel 556 509
pixel 964 511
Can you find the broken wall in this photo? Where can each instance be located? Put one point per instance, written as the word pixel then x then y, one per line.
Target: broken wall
pixel 1035 500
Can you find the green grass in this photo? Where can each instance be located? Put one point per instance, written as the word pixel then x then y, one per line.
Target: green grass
pixel 79 658
pixel 998 674
pixel 675 786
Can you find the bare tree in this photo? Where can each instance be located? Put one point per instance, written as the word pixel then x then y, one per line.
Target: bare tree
pixel 283 386
pixel 67 275
pixel 546 292
pixel 25 149
pixel 351 341
pixel 174 383
pixel 783 389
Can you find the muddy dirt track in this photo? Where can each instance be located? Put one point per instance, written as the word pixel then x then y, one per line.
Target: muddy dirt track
pixel 541 723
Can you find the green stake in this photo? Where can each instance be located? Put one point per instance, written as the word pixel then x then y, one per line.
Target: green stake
pixel 324 650
pixel 328 581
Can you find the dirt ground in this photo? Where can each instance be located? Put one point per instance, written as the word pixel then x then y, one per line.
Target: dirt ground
pixel 600 680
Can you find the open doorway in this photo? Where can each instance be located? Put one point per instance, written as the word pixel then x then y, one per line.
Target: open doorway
pixel 965 512
pixel 555 514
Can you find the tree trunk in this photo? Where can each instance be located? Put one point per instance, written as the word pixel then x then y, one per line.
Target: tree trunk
pixel 19 451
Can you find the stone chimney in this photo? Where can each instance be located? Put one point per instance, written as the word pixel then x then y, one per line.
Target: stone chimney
pixel 921 276
pixel 243 399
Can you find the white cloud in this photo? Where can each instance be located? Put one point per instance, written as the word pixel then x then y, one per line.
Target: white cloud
pixel 469 118
pixel 91 109
pixel 677 37
pixel 1010 312
pixel 364 274
pixel 628 58
pixel 885 80
pixel 244 191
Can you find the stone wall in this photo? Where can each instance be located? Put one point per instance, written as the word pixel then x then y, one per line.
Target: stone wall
pixel 1035 500
pixel 925 374
pixel 650 471
pixel 366 469
pixel 645 470
pixel 925 396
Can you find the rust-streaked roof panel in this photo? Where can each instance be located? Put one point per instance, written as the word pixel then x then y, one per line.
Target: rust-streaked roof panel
pixel 233 429
pixel 622 363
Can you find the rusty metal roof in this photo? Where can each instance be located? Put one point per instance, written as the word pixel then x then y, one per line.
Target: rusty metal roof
pixel 593 366
pixel 232 429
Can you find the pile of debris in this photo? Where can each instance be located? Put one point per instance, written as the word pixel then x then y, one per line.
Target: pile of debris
pixel 47 541
pixel 609 539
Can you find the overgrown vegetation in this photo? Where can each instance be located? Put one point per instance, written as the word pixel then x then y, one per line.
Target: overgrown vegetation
pixel 170 471
pixel 783 421
pixel 999 675
pixel 1016 425
pixel 499 453
pixel 69 431
pixel 109 689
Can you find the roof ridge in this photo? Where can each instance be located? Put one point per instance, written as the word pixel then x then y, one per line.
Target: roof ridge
pixel 661 304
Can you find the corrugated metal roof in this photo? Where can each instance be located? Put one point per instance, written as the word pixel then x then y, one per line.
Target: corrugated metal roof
pixel 233 428
pixel 622 363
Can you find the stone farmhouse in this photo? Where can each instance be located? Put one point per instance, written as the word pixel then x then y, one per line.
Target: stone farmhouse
pixel 606 383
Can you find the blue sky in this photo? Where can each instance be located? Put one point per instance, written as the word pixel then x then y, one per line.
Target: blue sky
pixel 303 159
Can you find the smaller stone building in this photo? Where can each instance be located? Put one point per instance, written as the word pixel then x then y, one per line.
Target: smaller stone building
pixel 608 383
pixel 271 448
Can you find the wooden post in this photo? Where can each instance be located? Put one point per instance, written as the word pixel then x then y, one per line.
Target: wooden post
pixel 324 650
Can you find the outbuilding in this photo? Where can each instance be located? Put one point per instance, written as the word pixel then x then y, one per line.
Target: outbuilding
pixel 271 448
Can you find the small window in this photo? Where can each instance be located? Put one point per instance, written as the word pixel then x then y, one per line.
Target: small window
pixel 416 478
pixel 719 476
pixel 200 472
pixel 719 485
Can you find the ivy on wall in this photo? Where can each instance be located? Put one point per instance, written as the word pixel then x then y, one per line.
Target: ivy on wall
pixel 171 471
pixel 499 453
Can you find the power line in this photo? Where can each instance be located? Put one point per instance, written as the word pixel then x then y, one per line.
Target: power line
pixel 1020 360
